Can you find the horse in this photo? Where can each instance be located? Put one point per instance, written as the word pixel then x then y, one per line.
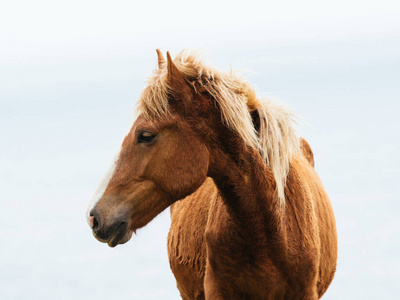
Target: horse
pixel 250 218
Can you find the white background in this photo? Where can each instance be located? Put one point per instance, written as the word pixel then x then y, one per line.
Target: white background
pixel 72 71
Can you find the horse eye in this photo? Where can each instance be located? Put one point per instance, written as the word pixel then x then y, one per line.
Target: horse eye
pixel 146 137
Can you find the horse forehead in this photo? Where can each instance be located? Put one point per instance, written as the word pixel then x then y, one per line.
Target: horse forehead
pixel 142 122
pixel 157 124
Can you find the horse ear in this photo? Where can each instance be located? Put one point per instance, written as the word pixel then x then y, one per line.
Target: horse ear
pixel 178 86
pixel 161 60
pixel 175 77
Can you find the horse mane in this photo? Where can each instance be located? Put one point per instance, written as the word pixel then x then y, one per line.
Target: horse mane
pixel 275 136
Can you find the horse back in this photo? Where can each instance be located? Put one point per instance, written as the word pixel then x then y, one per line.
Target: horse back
pixel 310 221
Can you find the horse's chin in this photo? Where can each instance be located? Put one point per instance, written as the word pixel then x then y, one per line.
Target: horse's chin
pixel 116 240
pixel 120 236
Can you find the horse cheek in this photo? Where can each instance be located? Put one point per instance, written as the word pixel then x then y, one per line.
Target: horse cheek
pixel 189 171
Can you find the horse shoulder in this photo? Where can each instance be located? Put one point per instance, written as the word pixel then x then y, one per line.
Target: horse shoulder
pixel 186 245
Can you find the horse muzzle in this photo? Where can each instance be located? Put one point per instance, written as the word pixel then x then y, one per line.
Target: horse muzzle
pixel 112 232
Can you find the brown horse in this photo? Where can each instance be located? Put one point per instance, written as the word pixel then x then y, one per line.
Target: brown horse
pixel 250 218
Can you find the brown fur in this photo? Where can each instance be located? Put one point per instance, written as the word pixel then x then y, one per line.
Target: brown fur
pixel 231 236
pixel 186 241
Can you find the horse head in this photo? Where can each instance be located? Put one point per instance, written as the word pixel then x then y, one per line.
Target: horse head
pixel 161 160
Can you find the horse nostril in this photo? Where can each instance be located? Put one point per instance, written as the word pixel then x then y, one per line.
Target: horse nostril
pixel 93 220
pixel 95 223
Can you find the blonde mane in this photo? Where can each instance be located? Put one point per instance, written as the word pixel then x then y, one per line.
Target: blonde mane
pixel 275 140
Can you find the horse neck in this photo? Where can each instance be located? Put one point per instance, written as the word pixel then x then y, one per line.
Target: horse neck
pixel 247 187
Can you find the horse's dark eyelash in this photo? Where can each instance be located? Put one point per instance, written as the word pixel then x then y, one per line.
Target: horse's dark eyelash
pixel 142 138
